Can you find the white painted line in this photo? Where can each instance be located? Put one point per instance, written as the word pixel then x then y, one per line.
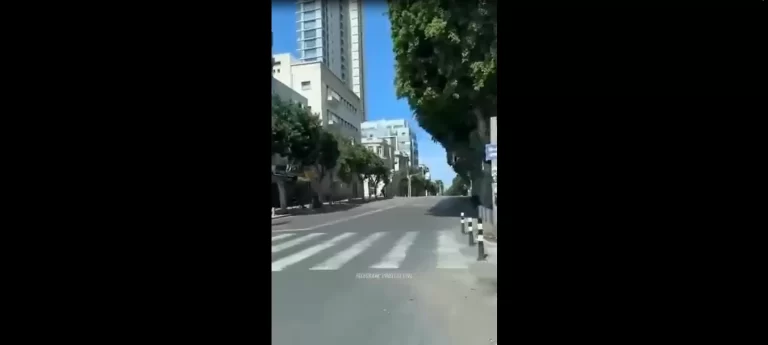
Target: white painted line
pixel 280 237
pixel 396 256
pixel 295 242
pixel 296 257
pixel 448 254
pixel 338 220
pixel 335 262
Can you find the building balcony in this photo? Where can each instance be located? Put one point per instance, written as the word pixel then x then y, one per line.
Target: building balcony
pixel 333 98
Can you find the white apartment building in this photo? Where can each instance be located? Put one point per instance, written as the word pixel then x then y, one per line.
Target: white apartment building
pixel 386 152
pixel 327 96
pixel 398 133
pixel 285 93
pixel 381 148
pixel 331 32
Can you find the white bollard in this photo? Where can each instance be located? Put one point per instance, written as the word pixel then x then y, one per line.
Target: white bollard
pixel 273 212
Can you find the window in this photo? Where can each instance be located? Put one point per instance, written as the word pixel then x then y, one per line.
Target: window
pixel 310 44
pixel 310 24
pixel 310 59
pixel 343 76
pixel 378 150
pixel 310 6
pixel 310 53
pixel 308 15
pixel 342 50
pixel 305 85
pixel 310 33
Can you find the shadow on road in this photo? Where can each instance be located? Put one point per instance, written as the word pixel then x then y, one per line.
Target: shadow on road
pixel 281 222
pixel 336 207
pixel 452 207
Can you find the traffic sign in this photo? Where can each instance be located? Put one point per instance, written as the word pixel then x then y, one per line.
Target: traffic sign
pixel 490 152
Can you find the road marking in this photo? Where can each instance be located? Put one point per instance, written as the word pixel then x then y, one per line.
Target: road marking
pixel 338 260
pixel 294 242
pixel 296 257
pixel 280 237
pixel 448 254
pixel 396 256
pixel 338 220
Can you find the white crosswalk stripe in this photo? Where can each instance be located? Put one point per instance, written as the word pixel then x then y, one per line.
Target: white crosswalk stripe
pixel 299 256
pixel 280 237
pixel 450 252
pixel 396 256
pixel 294 242
pixel 338 260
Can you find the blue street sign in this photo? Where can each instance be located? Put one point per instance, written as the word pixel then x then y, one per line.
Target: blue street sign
pixel 490 152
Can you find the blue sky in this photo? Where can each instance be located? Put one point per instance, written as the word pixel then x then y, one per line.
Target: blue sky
pixel 379 73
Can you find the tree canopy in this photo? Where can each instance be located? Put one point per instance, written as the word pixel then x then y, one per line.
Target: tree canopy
pixel 445 54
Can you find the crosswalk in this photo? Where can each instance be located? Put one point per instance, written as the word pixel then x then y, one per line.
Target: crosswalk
pixel 378 251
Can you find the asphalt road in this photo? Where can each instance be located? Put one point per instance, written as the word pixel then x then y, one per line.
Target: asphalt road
pixel 389 272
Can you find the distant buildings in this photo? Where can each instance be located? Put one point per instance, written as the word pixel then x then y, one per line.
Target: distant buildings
pixel 399 135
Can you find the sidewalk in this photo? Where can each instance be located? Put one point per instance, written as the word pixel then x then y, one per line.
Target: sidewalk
pixel 338 205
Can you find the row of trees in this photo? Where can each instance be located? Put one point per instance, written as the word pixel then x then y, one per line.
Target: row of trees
pixel 459 187
pixel 317 154
pixel 445 54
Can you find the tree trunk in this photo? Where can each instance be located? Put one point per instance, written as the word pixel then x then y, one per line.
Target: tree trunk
pixel 282 194
pixel 362 182
pixel 331 186
pixel 316 185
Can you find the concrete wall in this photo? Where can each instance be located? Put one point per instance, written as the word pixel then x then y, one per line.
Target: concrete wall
pixel 287 94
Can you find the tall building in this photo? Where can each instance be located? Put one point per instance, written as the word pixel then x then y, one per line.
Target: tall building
pixel 398 133
pixel 331 32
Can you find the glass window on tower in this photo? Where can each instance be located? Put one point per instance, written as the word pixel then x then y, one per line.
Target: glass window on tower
pixel 310 24
pixel 311 15
pixel 310 53
pixel 310 33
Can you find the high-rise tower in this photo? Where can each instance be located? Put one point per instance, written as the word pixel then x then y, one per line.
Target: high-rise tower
pixel 331 31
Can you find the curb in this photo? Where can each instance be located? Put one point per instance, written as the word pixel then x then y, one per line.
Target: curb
pixel 280 216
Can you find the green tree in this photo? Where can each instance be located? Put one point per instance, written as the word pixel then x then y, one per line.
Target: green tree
pixel 298 136
pixel 326 156
pixel 445 54
pixel 346 155
pixel 459 186
pixel 360 162
pixel 440 186
pixel 379 172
